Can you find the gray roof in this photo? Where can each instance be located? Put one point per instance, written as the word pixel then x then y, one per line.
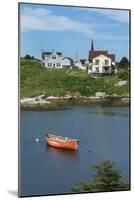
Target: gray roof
pixel 71 60
pixel 82 61
pixel 68 58
pixel 50 52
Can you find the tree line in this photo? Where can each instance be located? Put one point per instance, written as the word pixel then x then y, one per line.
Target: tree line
pixel 28 57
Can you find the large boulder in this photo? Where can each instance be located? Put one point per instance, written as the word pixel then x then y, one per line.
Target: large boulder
pixel 52 98
pixel 27 100
pixel 120 83
pixel 100 94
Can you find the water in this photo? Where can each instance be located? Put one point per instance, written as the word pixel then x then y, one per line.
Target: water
pixel 103 134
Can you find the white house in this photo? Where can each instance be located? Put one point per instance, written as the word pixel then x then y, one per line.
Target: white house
pixel 82 64
pixel 101 62
pixel 67 62
pixel 56 60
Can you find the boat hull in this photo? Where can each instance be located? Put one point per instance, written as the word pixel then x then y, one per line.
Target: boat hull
pixel 57 142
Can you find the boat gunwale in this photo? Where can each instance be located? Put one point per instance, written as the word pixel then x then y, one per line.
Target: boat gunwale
pixel 60 138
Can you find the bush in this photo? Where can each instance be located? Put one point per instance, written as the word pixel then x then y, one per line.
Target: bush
pixel 123 74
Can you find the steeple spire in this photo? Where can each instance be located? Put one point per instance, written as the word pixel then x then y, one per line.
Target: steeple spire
pixel 92 46
pixel 76 56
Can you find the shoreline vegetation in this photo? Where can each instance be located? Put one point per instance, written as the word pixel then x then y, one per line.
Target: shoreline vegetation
pixel 58 89
pixel 58 103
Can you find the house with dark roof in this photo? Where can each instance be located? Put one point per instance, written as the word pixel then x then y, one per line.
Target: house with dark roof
pixel 67 62
pixel 83 64
pixel 101 62
pixel 55 59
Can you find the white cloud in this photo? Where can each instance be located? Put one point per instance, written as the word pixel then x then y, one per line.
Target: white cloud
pixel 41 19
pixel 117 15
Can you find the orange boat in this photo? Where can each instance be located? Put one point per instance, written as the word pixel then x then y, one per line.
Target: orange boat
pixel 61 142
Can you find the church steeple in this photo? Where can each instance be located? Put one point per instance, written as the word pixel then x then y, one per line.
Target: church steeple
pixel 92 46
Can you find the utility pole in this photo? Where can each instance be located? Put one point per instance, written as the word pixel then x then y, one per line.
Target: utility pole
pixel 42 50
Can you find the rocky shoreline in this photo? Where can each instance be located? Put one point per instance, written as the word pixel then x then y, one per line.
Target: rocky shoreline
pixel 42 103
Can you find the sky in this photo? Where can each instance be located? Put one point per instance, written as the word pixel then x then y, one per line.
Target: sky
pixel 71 29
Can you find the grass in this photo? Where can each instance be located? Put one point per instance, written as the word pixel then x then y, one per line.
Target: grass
pixel 36 80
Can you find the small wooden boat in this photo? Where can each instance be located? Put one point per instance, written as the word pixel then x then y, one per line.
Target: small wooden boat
pixel 61 142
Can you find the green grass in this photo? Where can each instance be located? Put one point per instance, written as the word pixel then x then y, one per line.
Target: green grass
pixel 36 80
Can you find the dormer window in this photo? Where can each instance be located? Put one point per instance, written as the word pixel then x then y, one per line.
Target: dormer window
pixel 53 57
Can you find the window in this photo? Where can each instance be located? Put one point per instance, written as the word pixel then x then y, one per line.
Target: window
pixel 97 69
pixel 58 64
pixel 97 62
pixel 53 57
pixel 106 62
pixel 106 69
pixel 49 64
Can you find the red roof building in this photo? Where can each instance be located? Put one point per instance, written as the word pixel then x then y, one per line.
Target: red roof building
pixel 93 54
pixel 101 61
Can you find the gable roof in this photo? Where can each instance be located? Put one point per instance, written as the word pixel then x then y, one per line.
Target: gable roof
pixel 71 60
pixel 67 58
pixel 93 54
pixel 47 53
pixel 59 53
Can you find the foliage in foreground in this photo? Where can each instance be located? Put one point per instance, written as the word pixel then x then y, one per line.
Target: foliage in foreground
pixel 105 179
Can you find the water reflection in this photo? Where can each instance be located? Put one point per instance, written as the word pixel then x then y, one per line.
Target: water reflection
pixel 102 112
pixel 62 153
pixel 101 137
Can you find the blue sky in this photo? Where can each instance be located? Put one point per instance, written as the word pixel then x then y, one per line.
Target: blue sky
pixel 70 29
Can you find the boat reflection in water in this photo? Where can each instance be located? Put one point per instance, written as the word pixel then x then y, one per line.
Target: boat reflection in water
pixel 62 153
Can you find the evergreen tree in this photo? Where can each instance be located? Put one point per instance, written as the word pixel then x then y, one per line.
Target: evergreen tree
pixel 106 178
pixel 32 57
pixel 124 63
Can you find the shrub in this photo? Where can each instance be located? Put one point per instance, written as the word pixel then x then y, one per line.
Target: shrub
pixel 123 74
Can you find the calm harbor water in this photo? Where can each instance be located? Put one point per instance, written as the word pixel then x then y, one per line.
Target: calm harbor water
pixel 103 134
